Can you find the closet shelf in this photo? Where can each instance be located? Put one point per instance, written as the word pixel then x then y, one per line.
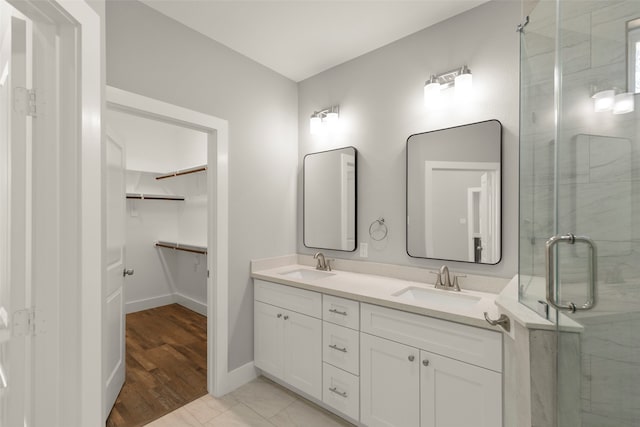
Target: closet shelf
pixel 144 196
pixel 182 247
pixel 183 172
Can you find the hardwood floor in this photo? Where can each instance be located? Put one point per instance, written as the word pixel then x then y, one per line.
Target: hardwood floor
pixel 166 364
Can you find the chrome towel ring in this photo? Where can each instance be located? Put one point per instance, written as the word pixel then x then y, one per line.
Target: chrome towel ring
pixel 378 230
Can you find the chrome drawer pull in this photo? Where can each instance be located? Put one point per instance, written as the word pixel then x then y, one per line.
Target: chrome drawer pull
pixel 335 347
pixel 341 313
pixel 336 391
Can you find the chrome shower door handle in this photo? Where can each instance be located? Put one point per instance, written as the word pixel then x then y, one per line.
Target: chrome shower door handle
pixel 550 272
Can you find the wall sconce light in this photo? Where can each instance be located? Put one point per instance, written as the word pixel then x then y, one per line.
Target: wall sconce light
pixel 460 78
pixel 326 118
pixel 603 100
pixel 607 100
pixel 432 92
pixel 623 103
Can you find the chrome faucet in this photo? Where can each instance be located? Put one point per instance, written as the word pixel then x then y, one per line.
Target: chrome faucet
pixel 444 276
pixel 323 264
pixel 443 280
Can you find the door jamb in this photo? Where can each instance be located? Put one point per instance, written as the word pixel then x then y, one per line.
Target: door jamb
pixel 218 382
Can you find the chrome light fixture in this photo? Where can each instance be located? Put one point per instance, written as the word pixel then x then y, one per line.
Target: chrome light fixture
pixel 327 118
pixel 608 100
pixel 432 92
pixel 460 78
pixel 603 100
pixel 623 103
pixel 464 82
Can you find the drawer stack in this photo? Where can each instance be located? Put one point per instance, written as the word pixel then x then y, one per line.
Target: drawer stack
pixel 341 355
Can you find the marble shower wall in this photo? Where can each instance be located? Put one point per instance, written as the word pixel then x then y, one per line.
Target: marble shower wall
pixel 592 161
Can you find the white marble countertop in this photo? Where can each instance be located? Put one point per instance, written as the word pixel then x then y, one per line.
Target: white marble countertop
pixel 509 304
pixel 379 290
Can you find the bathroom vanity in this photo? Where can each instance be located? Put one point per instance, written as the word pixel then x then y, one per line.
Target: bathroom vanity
pixel 378 351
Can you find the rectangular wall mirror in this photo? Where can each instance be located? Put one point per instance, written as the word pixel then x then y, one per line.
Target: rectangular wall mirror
pixel 454 188
pixel 329 199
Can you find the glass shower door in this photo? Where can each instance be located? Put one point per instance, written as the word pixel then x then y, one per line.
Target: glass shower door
pixel 580 174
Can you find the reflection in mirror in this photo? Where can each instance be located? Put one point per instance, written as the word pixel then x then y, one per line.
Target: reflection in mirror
pixel 454 193
pixel 633 56
pixel 329 199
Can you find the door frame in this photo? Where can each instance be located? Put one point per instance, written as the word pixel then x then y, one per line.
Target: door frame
pixel 218 379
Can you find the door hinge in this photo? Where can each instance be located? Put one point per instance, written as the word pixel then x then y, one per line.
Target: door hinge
pixel 524 23
pixel 24 101
pixel 27 322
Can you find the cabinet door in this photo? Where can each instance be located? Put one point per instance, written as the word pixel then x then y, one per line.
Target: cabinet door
pixel 268 338
pixel 389 383
pixel 303 353
pixel 456 394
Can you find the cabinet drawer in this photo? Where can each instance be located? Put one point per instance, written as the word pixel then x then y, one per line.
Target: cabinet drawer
pixel 294 299
pixel 477 346
pixel 344 312
pixel 341 347
pixel 341 391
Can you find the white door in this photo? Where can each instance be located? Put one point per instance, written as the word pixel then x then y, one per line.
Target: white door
pixel 303 353
pixel 114 314
pixel 268 338
pixel 456 394
pixel 389 383
pixel 15 186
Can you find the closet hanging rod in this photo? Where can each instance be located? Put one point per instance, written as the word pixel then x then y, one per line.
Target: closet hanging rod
pixel 183 172
pixel 142 196
pixel 182 247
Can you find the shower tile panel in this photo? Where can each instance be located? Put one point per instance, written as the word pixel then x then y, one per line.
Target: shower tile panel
pixel 609 32
pixel 615 388
pixel 576 44
pixel 610 158
pixel 601 211
pixel 592 420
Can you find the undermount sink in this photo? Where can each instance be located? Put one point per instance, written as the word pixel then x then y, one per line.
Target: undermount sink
pixel 436 296
pixel 305 274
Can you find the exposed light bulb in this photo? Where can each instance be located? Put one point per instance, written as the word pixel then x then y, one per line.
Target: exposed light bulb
pixel 623 103
pixel 603 100
pixel 315 124
pixel 463 83
pixel 432 92
pixel 332 119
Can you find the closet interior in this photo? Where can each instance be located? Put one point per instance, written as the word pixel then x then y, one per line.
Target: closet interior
pixel 166 212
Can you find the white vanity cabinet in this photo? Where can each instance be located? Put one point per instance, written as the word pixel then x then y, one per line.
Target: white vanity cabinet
pixel 288 335
pixel 455 393
pixel 425 372
pixel 379 366
pixel 389 383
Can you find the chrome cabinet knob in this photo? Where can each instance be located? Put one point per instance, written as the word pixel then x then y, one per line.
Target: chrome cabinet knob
pixel 286 317
pixel 279 315
pixel 127 272
pixel 425 362
pixel 412 358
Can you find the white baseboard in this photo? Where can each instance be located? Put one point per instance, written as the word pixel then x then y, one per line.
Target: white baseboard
pixel 190 303
pixel 146 304
pixel 240 376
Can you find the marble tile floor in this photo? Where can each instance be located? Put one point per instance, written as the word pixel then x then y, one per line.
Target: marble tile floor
pixel 260 403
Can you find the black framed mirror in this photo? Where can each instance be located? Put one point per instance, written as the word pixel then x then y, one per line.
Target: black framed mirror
pixel 329 199
pixel 454 193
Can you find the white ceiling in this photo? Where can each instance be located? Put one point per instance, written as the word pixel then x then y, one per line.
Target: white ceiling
pixel 300 38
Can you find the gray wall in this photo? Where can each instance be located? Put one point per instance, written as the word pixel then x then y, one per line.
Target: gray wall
pixel 381 104
pixel 150 54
